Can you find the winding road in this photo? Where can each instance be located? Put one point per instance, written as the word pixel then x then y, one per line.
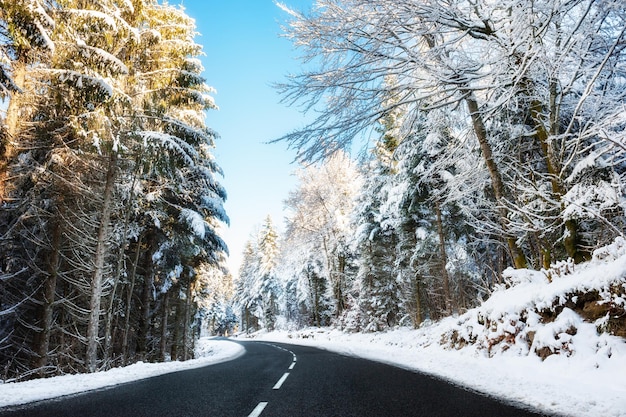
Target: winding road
pixel 275 380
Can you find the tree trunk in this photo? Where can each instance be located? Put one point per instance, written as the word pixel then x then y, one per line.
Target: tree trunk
pixel 417 319
pixel 96 281
pixel 129 301
pixel 146 298
pixel 519 259
pixel 341 277
pixel 62 320
pixel 164 317
pixel 444 259
pixel 177 324
pixel 12 123
pixel 49 294
pixel 314 284
pixel 118 272
pixel 186 327
pixel 571 243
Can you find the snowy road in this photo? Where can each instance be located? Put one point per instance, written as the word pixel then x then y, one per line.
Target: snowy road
pixel 279 380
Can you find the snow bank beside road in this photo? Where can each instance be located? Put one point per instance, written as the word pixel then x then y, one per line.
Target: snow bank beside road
pixel 208 351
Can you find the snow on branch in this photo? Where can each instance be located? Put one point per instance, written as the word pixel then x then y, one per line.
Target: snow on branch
pixel 44 38
pixel 213 166
pixel 218 245
pixel 216 206
pixel 80 80
pixel 103 56
pixel 42 14
pixel 212 184
pixel 590 200
pixel 42 21
pixel 183 149
pixel 179 128
pixel 94 14
pixel 190 76
pixel 128 5
pixel 193 64
pixel 589 161
pixel 287 9
pixel 200 97
pixel 195 221
pixel 6 82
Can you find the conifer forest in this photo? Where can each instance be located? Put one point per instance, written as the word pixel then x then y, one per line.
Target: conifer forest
pixel 110 194
pixel 449 140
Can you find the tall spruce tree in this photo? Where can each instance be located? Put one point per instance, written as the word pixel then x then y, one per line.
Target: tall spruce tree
pixel 269 286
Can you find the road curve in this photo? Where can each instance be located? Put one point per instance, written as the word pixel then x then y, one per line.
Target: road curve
pixel 276 380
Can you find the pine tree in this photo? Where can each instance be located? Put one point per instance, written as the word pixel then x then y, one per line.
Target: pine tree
pixel 25 28
pixel 177 173
pixel 377 288
pixel 246 298
pixel 268 285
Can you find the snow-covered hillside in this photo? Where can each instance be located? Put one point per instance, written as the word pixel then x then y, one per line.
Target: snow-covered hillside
pixel 546 339
pixel 571 310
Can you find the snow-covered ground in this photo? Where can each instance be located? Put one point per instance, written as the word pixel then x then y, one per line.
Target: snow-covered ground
pixel 208 351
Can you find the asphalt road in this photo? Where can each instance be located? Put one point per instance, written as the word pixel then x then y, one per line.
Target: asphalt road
pixel 276 380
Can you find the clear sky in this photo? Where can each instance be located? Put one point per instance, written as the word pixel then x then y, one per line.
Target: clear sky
pixel 244 56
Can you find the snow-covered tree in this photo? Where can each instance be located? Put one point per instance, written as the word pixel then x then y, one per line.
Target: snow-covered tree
pixel 406 229
pixel 72 94
pixel 214 294
pixel 25 27
pixel 180 200
pixel 378 291
pixel 532 85
pixel 246 299
pixel 306 297
pixel 25 30
pixel 318 223
pixel 258 287
pixel 268 285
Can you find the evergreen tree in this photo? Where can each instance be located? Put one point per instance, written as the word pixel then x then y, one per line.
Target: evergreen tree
pixel 246 298
pixel 258 288
pixel 376 285
pixel 268 285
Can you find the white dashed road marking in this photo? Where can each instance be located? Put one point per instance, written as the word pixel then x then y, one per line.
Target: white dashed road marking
pixel 281 380
pixel 258 410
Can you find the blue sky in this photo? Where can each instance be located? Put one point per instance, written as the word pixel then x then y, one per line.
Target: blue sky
pixel 244 56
